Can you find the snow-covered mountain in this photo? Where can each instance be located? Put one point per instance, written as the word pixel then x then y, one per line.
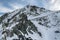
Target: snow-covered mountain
pixel 30 23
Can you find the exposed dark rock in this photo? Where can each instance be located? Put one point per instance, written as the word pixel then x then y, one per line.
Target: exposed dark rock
pixel 57 31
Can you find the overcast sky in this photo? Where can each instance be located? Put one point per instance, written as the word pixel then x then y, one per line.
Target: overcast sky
pixel 10 5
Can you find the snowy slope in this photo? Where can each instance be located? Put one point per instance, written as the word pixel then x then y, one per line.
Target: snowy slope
pixel 30 21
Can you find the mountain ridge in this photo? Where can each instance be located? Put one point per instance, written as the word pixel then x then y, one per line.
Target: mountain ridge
pixel 30 22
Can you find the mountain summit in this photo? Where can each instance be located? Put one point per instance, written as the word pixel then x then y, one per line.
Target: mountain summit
pixel 30 23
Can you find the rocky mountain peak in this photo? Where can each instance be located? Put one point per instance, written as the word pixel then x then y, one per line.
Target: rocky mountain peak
pixel 30 22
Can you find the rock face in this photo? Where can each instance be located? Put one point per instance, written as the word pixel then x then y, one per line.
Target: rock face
pixel 30 23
